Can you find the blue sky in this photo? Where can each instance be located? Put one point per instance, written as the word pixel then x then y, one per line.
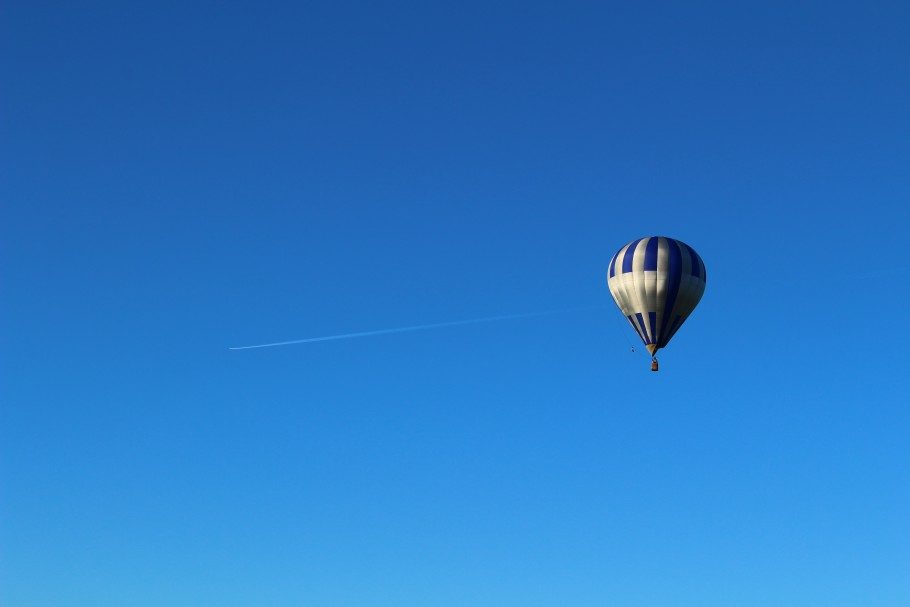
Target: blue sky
pixel 179 178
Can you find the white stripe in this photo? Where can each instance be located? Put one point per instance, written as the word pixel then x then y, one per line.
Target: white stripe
pixel 638 284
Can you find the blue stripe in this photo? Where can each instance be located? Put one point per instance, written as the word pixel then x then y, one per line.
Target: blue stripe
pixel 630 253
pixel 613 264
pixel 644 332
pixel 674 277
pixel 637 331
pixel 651 253
pixel 652 323
pixel 694 261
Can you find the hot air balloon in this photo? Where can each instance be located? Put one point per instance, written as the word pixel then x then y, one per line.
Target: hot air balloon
pixel 656 282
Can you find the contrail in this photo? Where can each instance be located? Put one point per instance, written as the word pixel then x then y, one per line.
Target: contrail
pixel 437 325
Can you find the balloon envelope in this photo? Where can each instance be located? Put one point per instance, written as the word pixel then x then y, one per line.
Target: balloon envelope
pixel 656 282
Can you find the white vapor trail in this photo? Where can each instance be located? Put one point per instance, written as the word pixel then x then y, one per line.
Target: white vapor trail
pixel 436 325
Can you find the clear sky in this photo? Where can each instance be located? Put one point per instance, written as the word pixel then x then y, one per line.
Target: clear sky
pixel 178 178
